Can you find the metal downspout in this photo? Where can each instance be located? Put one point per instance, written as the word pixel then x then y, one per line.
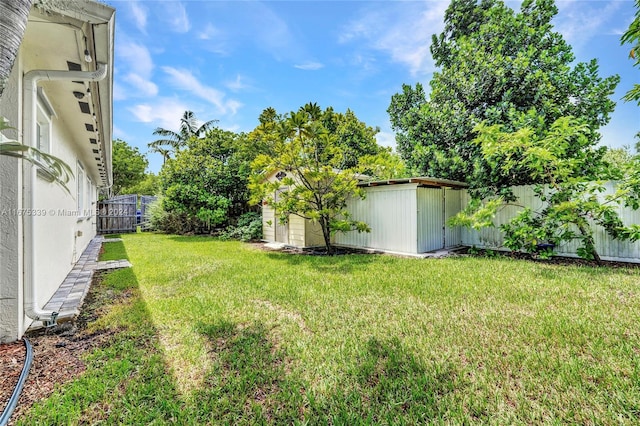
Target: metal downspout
pixel 30 97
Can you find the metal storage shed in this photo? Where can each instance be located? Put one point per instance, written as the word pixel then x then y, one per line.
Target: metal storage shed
pixel 406 216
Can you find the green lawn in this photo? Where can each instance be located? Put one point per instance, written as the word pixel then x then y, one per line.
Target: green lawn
pixel 222 332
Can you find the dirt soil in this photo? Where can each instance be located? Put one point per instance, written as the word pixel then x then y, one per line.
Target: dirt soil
pixel 57 355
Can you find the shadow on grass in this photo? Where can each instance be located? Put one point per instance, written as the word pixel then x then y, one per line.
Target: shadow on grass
pixel 391 387
pixel 126 380
pixel 250 383
pixel 338 264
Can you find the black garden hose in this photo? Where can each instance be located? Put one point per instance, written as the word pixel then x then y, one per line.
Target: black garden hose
pixel 13 401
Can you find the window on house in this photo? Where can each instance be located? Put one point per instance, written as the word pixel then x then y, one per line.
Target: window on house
pixel 90 198
pixel 80 195
pixel 44 112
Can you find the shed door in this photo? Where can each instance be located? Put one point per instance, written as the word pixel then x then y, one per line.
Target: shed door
pixel 430 219
pixel 282 229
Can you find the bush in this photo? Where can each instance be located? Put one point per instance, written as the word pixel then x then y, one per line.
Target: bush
pixel 248 228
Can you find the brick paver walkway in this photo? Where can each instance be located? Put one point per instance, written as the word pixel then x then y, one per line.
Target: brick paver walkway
pixel 71 293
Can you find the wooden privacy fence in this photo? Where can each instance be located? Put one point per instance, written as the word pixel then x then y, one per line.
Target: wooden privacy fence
pixel 145 201
pixel 120 214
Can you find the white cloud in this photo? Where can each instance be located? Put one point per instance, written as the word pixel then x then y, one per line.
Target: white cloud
pixel 402 30
pixel 271 33
pixel 133 77
pixel 386 139
pixel 118 133
pixel 175 14
pixel 164 112
pixel 209 32
pixel 309 66
pixel 237 85
pixel 135 57
pixel 580 21
pixel 185 80
pixel 143 85
pixel 119 92
pixel 139 15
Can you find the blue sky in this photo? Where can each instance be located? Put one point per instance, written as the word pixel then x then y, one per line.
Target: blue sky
pixel 229 60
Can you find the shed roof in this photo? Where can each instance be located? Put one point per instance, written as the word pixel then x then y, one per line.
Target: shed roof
pixel 430 181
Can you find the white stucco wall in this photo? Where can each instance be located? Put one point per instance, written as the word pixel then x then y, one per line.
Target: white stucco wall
pixel 61 235
pixel 61 232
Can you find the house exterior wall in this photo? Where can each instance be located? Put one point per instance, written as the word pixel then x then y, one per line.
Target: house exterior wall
pixel 64 229
pixel 390 212
pixel 607 247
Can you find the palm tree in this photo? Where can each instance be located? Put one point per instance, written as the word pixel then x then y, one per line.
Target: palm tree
pixel 13 22
pixel 176 140
pixel 166 153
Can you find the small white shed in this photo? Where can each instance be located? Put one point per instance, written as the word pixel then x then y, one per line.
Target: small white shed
pixel 406 216
pixel 296 232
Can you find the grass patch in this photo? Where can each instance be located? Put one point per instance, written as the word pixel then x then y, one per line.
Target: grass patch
pixel 221 332
pixel 113 251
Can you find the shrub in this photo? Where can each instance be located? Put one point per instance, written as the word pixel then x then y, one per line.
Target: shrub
pixel 248 228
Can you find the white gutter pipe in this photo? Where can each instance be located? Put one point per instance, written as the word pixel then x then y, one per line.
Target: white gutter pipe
pixel 30 97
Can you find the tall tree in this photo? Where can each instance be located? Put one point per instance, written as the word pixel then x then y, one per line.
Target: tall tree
pixel 497 67
pixel 129 167
pixel 632 36
pixel 206 184
pixel 13 22
pixel 312 155
pixel 571 208
pixel 174 141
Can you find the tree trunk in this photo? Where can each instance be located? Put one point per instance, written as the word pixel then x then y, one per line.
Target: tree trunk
pixel 13 22
pixel 326 233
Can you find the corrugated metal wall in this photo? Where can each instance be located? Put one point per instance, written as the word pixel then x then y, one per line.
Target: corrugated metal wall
pixel 453 236
pixel 430 219
pixel 607 247
pixel 390 212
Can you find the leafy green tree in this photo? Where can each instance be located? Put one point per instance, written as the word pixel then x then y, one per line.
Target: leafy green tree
pixel 354 137
pixel 149 185
pixel 617 161
pixel 206 184
pixel 632 36
pixel 173 141
pixel 386 164
pixel 497 67
pixel 310 147
pixel 572 206
pixel 129 167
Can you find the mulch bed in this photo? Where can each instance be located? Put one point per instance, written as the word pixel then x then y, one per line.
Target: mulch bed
pixel 57 356
pixel 12 357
